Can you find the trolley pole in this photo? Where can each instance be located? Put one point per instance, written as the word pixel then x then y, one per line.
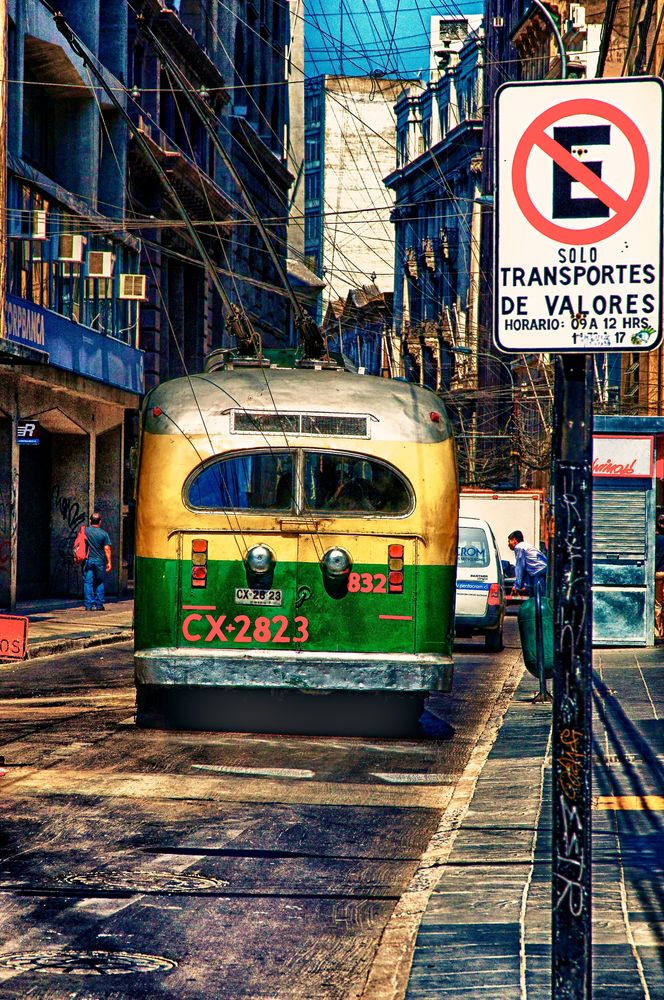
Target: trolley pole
pixel 571 967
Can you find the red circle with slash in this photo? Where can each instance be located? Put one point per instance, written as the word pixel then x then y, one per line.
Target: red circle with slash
pixel 624 208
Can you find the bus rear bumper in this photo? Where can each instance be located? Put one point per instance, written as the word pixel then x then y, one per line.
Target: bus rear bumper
pixel 301 671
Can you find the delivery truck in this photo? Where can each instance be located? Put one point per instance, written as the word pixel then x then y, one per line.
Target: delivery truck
pixel 505 511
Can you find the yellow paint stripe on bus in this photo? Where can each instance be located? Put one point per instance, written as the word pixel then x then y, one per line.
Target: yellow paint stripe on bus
pixel 650 803
pixel 433 519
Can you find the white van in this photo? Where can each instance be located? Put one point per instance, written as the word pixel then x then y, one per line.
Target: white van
pixel 480 591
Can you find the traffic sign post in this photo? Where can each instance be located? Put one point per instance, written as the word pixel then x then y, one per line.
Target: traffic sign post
pixel 571 749
pixel 578 224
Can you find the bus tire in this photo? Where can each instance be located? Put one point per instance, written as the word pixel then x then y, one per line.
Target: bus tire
pixel 150 708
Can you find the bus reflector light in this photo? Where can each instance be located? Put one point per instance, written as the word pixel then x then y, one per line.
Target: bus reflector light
pixel 199 545
pixel 396 577
pixel 395 563
pixel 494 594
pixel 395 552
pixel 199 572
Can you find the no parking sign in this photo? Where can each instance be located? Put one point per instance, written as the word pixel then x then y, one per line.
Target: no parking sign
pixel 578 215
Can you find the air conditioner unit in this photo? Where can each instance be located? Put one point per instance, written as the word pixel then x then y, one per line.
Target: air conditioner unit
pixel 70 247
pixel 133 286
pixel 100 264
pixel 38 225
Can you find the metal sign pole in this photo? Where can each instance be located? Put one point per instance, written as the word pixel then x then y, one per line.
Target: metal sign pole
pixel 571 967
pixel 550 236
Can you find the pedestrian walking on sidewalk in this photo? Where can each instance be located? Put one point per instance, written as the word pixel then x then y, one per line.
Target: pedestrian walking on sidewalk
pixel 531 563
pixel 97 564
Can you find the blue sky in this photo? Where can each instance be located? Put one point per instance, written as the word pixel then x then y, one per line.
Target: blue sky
pixel 389 36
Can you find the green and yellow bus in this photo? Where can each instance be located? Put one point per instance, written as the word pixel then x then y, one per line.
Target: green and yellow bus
pixel 296 535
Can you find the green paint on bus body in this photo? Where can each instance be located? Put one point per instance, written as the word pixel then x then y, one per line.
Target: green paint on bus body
pixel 420 620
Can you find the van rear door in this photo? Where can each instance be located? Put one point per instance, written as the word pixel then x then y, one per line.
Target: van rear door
pixel 473 571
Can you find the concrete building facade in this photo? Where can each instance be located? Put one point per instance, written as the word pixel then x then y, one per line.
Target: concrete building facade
pixel 235 55
pixel 350 136
pixel 70 366
pixel 106 294
pixel 436 214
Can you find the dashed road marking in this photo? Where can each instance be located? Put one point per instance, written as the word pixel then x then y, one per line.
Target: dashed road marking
pixel 649 803
pixel 413 778
pixel 258 772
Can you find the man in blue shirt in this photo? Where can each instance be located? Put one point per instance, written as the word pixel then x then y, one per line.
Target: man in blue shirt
pixel 97 564
pixel 530 573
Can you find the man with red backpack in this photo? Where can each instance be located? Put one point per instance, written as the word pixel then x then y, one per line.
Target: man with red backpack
pixel 96 565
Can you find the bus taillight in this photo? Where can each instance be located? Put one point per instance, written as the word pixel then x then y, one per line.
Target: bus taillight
pixel 395 564
pixel 199 548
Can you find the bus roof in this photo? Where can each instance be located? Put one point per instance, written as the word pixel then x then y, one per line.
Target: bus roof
pixel 243 400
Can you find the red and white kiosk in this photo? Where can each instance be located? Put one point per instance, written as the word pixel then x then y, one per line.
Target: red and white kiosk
pixel 628 491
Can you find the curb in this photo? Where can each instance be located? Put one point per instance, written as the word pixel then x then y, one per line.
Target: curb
pixel 51 647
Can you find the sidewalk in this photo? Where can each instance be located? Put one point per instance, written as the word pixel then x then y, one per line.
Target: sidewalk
pixel 486 929
pixel 55 626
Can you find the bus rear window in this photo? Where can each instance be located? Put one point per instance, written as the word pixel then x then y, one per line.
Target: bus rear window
pixel 353 485
pixel 257 481
pixel 473 547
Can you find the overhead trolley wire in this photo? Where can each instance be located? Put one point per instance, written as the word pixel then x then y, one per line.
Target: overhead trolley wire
pixel 236 320
pixel 312 341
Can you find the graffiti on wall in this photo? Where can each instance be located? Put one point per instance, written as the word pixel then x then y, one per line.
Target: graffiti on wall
pixel 67 515
pixel 8 525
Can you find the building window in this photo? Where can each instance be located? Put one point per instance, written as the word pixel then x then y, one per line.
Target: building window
pixel 312 228
pixel 312 186
pixel 38 128
pixel 39 271
pixel 444 113
pixel 312 108
pixel 402 147
pixel 312 149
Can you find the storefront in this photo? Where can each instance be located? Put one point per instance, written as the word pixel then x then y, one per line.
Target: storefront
pixel 628 483
pixel 66 393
